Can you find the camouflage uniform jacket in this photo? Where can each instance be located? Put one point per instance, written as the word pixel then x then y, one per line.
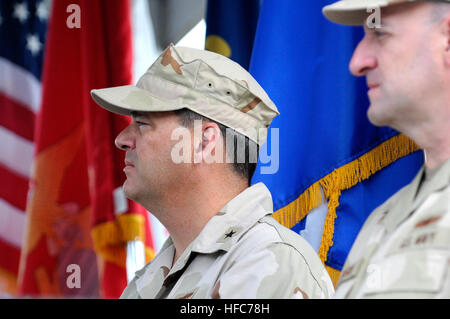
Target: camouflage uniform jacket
pixel 242 252
pixel 403 249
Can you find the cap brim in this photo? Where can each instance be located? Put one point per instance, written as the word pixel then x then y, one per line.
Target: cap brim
pixel 354 12
pixel 126 99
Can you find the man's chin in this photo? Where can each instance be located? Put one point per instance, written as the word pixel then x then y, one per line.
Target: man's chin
pixel 376 116
pixel 128 191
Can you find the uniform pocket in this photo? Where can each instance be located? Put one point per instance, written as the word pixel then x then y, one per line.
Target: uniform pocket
pixel 420 271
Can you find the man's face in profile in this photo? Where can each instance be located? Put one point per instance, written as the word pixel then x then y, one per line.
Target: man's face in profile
pixel 150 171
pixel 400 62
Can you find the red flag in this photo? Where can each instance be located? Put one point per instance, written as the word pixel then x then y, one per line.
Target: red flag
pixel 75 239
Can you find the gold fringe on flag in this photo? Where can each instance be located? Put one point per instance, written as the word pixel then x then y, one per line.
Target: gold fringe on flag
pixel 111 237
pixel 8 283
pixel 339 180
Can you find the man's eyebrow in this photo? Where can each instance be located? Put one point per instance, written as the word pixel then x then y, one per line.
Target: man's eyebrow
pixel 382 27
pixel 135 114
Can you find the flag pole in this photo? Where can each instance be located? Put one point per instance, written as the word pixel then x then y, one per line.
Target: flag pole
pixel 135 258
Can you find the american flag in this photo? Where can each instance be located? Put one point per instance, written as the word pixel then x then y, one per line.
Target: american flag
pixel 23 26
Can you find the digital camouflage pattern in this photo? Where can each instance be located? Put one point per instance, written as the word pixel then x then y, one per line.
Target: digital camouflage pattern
pixel 242 252
pixel 202 81
pixel 403 249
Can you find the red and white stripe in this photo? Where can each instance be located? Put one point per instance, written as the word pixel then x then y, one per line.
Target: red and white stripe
pixel 20 100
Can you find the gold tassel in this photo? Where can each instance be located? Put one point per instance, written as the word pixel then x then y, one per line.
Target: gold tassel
pixel 8 283
pixel 110 238
pixel 339 180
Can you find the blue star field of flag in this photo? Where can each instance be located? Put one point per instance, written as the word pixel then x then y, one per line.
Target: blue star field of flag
pixel 23 26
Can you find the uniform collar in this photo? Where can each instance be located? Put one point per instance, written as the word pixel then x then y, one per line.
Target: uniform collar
pixel 438 179
pixel 398 209
pixel 224 229
pixel 415 193
pixel 162 260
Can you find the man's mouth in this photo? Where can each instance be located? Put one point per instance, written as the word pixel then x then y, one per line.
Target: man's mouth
pixel 128 164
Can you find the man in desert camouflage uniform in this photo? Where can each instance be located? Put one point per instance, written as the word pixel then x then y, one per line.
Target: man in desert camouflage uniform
pixel 223 241
pixel 403 249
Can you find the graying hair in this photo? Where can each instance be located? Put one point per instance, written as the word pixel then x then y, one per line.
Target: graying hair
pixel 439 9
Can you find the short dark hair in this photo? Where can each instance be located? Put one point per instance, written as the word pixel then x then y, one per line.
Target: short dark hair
pixel 439 10
pixel 242 167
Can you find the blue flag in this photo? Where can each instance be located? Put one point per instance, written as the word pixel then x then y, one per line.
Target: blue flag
pixel 231 27
pixel 326 144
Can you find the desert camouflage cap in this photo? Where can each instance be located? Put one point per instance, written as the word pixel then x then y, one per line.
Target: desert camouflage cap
pixel 354 12
pixel 202 81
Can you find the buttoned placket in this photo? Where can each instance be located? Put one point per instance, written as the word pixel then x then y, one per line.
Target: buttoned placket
pixel 360 267
pixel 175 272
pixel 401 211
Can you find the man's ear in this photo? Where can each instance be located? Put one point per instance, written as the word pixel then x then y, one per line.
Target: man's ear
pixel 209 136
pixel 446 31
pixel 212 147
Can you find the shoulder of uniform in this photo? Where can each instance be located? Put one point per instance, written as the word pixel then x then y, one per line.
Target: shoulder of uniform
pixel 288 239
pixel 285 234
pixel 268 231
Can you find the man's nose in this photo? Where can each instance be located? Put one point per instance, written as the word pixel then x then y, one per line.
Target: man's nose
pixel 125 140
pixel 363 59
